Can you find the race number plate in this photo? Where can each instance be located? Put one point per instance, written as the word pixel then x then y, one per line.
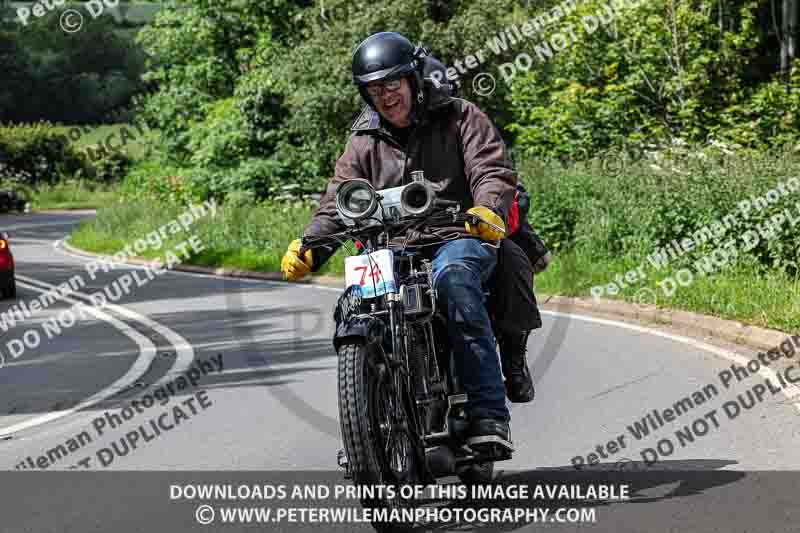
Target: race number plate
pixel 374 273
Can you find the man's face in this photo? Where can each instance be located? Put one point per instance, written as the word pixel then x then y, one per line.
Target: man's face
pixel 394 106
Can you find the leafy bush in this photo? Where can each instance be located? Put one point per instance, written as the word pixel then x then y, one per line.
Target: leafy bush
pixel 772 112
pixel 654 69
pixel 112 167
pixel 38 153
pixel 221 139
pixel 155 179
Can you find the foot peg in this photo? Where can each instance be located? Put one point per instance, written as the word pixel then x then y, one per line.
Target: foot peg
pixel 491 439
pixel 491 448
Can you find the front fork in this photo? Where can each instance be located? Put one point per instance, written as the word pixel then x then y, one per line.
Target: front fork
pixel 398 362
pixel 406 411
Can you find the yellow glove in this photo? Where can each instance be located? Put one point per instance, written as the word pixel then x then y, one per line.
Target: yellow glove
pixel 294 266
pixel 483 230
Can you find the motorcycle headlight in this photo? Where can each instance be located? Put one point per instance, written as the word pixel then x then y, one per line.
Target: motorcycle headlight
pixel 356 199
pixel 417 198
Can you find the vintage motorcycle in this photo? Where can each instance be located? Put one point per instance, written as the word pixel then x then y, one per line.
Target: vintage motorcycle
pixel 400 404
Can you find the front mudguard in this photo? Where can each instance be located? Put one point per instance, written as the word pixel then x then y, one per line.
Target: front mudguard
pixel 359 329
pixel 353 327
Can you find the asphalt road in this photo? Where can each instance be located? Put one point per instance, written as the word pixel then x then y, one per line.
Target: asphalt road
pixel 265 395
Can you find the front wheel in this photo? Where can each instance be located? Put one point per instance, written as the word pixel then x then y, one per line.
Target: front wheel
pixel 375 430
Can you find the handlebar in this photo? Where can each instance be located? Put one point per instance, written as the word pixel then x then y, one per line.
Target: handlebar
pixel 440 217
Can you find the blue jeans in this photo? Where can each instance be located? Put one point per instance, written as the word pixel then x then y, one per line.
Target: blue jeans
pixel 460 268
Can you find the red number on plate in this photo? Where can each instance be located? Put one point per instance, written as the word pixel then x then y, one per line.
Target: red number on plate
pixel 376 272
pixel 363 274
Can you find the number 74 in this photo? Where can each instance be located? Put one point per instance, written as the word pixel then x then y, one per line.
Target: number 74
pixel 376 272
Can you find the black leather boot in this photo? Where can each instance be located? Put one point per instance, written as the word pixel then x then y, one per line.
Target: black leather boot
pixel 490 436
pixel 513 350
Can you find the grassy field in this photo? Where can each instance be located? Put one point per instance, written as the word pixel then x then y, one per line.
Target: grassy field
pixel 72 195
pixel 84 194
pixel 135 140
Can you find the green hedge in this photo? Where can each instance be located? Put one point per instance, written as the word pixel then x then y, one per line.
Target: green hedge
pixel 41 154
pixel 37 154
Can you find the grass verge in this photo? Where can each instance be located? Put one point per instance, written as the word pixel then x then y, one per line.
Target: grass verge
pixel 238 236
pixel 72 195
pixel 744 291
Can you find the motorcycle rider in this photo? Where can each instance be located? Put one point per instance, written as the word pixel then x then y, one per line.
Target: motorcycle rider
pixel 406 128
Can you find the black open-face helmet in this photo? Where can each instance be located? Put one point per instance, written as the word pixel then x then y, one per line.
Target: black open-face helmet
pixel 388 56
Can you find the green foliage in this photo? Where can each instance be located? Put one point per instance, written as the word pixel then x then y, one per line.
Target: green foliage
pixel 112 167
pixel 221 139
pixel 37 153
pixel 773 112
pixel 260 97
pixel 49 74
pixel 668 196
pixel 241 235
pixel 73 194
pixel 157 180
pixel 654 69
pixel 202 47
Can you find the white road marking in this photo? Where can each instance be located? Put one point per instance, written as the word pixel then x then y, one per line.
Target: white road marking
pixel 790 391
pixel 147 352
pixel 183 349
pixel 32 226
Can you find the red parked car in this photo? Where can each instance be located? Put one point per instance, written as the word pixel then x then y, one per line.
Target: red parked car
pixel 8 285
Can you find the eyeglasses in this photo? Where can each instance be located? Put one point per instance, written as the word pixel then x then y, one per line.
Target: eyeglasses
pixel 377 90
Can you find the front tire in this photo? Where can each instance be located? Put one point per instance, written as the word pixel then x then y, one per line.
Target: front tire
pixel 379 451
pixel 356 379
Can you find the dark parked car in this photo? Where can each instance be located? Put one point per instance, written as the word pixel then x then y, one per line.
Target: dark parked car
pixel 10 200
pixel 8 285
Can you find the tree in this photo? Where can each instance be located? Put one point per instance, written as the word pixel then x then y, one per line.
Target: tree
pixel 789 33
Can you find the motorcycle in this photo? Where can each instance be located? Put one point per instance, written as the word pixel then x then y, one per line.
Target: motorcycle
pixel 401 407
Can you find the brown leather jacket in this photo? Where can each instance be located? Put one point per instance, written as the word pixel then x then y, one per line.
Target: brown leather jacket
pixel 455 144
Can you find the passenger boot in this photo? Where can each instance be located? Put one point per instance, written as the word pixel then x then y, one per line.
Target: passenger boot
pixel 519 383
